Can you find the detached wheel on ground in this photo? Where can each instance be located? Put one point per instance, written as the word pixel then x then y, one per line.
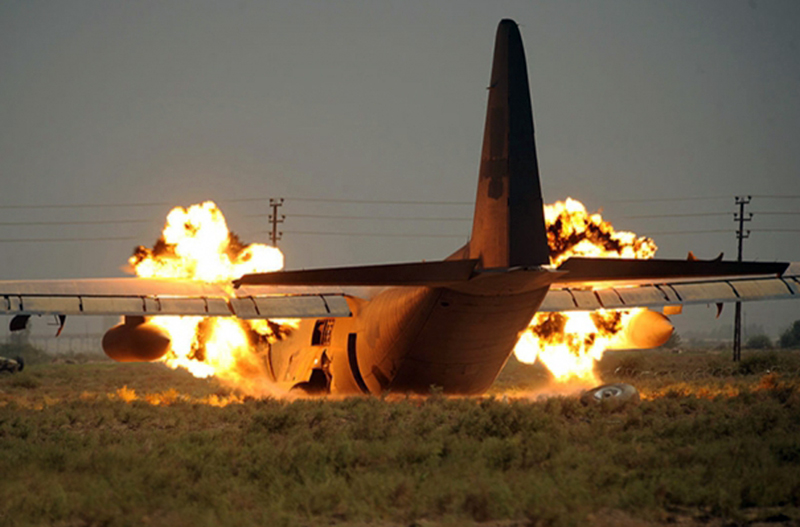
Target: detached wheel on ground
pixel 617 392
pixel 11 365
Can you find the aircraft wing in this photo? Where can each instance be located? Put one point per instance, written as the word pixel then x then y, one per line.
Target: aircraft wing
pixel 640 283
pixel 578 284
pixel 152 297
pixel 284 294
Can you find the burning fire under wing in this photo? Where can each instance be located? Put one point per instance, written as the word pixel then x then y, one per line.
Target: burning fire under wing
pixel 529 276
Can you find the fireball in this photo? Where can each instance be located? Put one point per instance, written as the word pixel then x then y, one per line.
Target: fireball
pixel 197 245
pixel 570 343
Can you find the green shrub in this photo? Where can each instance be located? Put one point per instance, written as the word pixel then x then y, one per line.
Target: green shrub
pixel 758 342
pixel 791 337
pixel 758 363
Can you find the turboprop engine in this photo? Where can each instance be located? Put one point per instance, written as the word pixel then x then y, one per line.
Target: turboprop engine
pixel 648 329
pixel 135 341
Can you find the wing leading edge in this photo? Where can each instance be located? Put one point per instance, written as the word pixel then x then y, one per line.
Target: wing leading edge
pixel 580 284
pixel 609 288
pixel 147 297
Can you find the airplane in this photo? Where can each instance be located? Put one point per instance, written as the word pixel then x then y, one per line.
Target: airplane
pixel 407 327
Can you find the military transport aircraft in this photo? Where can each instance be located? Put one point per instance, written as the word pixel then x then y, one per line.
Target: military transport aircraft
pixel 405 327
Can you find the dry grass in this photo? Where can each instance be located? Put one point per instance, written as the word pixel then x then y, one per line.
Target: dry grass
pixel 117 444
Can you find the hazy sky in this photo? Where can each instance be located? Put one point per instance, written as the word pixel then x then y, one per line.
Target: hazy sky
pixel 174 102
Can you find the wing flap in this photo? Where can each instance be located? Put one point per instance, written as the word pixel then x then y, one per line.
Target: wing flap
pixel 716 291
pixel 664 293
pixel 590 270
pixel 142 297
pixel 111 306
pixel 762 288
pixel 49 304
pixel 306 306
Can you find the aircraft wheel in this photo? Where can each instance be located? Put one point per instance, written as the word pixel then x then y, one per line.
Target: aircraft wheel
pixel 617 392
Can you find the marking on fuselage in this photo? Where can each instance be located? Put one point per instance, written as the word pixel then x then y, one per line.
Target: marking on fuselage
pixel 352 358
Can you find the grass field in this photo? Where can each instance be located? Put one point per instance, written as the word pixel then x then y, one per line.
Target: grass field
pixel 101 443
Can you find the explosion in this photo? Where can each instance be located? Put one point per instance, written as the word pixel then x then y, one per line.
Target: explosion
pixel 197 245
pixel 571 231
pixel 569 343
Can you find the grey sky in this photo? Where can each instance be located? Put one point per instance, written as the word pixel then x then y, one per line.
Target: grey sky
pixel 177 102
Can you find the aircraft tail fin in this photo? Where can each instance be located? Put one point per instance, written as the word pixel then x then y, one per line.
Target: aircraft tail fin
pixel 508 227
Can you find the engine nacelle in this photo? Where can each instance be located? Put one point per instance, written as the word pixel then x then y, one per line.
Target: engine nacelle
pixel 648 329
pixel 135 341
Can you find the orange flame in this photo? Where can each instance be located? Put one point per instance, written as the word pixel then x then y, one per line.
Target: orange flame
pixel 196 244
pixel 570 343
pixel 572 231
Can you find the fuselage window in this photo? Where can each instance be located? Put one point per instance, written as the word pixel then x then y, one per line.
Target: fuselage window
pixel 323 330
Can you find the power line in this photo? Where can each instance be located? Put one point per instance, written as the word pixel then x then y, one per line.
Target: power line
pixel 42 240
pixel 381 202
pixel 230 200
pixel 390 235
pixel 700 198
pixel 355 200
pixel 94 222
pixel 85 205
pixel 786 213
pixel 663 233
pixel 127 205
pixel 334 216
pixel 649 200
pixel 687 215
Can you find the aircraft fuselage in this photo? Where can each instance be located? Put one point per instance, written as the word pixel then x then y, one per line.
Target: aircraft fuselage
pixel 408 339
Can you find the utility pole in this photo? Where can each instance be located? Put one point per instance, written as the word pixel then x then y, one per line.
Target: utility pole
pixel 741 201
pixel 275 220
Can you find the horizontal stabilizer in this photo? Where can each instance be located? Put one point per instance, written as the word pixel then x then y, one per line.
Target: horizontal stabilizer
pixel 431 274
pixel 605 269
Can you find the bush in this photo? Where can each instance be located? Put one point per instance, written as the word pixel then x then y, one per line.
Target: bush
pixel 791 337
pixel 758 363
pixel 758 342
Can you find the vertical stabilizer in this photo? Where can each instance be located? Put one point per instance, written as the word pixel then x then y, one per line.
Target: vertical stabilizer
pixel 508 228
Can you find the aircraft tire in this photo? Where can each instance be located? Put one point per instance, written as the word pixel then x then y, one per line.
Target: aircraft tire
pixel 617 392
